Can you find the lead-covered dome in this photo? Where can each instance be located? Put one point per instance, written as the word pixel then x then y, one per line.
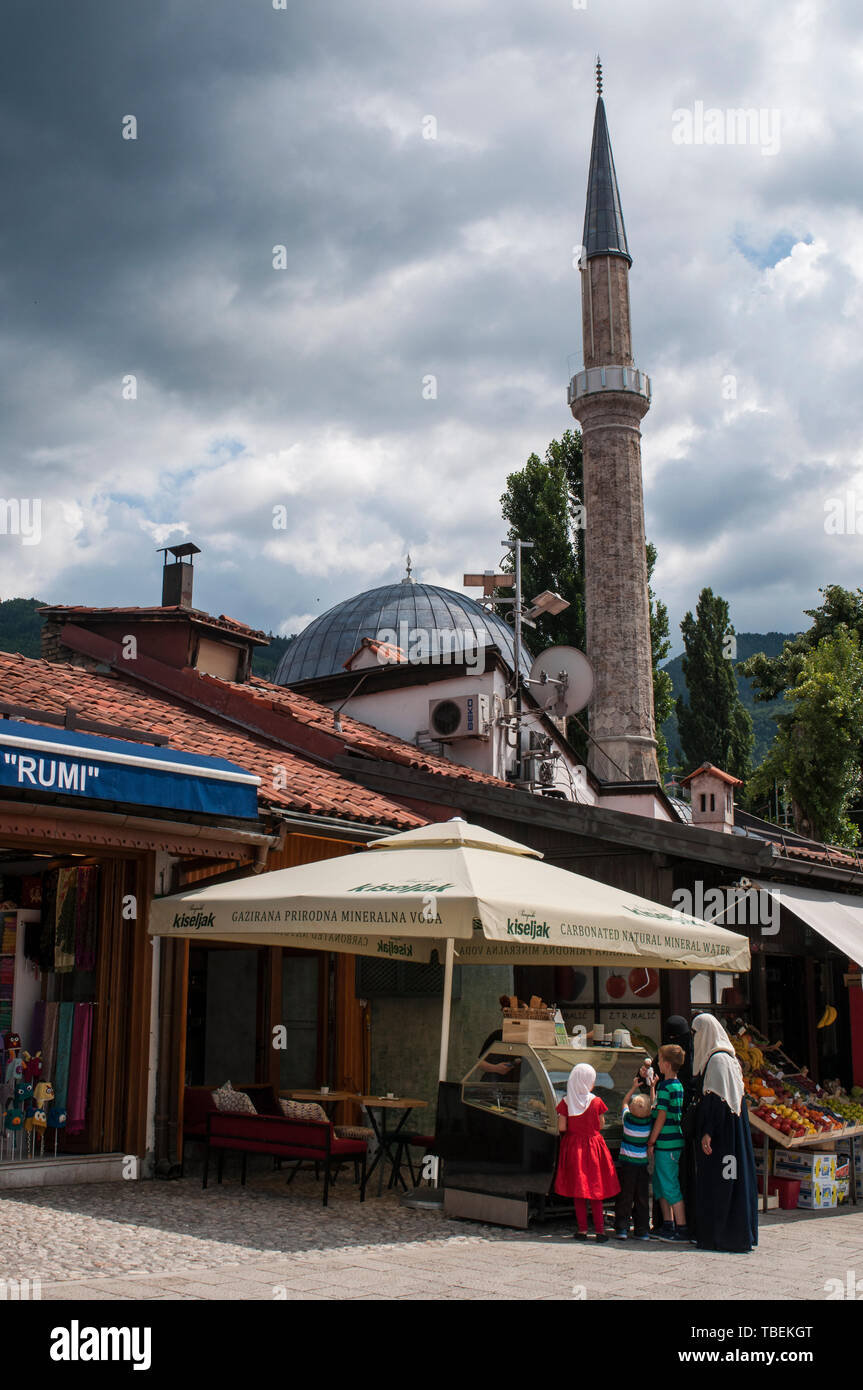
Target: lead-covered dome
pixel 404 608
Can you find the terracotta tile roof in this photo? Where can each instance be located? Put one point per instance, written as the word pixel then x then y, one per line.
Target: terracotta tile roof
pixel 112 698
pixel 714 772
pixel 363 737
pixel 224 623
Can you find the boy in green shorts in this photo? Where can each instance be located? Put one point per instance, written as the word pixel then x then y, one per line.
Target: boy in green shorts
pixel 665 1145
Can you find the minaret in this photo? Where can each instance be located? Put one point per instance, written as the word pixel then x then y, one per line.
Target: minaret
pixel 609 399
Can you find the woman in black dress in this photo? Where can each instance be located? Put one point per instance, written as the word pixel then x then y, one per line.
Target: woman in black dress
pixel 726 1188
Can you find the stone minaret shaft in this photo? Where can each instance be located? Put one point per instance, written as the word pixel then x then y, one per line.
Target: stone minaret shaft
pixel 609 399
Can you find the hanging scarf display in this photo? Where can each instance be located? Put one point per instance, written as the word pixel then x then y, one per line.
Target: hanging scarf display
pixel 49 920
pixel 64 946
pixel 79 1068
pixel 86 917
pixel 64 1053
pixel 49 1040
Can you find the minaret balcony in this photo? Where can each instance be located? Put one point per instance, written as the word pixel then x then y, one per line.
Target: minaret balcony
pixel 594 380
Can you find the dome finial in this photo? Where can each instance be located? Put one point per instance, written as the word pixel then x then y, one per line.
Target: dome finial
pixel 408 567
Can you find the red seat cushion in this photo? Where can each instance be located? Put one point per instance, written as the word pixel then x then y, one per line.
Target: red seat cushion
pixel 283 1138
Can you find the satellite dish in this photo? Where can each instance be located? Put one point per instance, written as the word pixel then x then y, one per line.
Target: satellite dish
pixel 561 681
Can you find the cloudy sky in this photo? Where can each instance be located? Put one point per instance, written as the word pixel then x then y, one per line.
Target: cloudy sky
pixel 409 257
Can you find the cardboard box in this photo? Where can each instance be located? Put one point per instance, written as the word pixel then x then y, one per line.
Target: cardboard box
pixel 818 1196
pixel 843 1187
pixel 804 1164
pixel 536 1032
pixel 843 1155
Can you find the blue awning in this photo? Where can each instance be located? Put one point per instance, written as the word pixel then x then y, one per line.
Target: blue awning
pixel 70 764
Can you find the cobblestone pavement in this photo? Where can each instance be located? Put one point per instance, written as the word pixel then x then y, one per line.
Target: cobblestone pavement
pixel 172 1240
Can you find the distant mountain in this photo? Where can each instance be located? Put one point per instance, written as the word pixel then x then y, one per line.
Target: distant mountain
pixel 21 631
pixel 266 659
pixel 763 714
pixel 21 626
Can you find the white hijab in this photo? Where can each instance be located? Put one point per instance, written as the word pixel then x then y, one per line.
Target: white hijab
pixel 579 1088
pixel 722 1074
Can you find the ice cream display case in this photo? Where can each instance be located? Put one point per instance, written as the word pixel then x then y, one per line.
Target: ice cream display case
pixel 497 1130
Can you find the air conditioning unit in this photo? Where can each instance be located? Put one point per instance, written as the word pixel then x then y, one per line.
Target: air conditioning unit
pixel 461 716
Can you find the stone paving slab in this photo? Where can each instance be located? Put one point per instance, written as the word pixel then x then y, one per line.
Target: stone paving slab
pixel 142 1241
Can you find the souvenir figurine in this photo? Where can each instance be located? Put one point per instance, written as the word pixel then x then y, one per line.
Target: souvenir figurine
pixel 43 1092
pixel 32 1066
pixel 56 1121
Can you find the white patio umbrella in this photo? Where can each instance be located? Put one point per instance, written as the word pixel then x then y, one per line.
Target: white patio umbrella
pixel 465 891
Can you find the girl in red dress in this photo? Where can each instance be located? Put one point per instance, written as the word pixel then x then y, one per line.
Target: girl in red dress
pixel 585 1170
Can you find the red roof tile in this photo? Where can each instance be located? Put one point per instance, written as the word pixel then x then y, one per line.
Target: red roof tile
pixel 111 698
pixel 363 737
pixel 224 623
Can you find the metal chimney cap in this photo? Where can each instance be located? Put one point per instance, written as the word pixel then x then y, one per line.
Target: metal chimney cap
pixel 180 551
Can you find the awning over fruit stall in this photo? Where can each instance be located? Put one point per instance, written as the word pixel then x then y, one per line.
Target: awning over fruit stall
pixel 838 917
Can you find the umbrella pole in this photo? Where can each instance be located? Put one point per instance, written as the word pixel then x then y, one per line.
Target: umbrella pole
pixel 447 1008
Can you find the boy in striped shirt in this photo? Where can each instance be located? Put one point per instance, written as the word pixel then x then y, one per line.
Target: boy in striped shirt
pixel 665 1145
pixel 632 1200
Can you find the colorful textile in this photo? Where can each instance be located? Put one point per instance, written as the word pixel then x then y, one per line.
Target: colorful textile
pixel 79 1068
pixel 49 920
pixel 636 1132
pixel 308 1110
pixel 86 918
pixel 233 1102
pixel 669 1098
pixel 64 1054
pixel 64 943
pixel 49 1040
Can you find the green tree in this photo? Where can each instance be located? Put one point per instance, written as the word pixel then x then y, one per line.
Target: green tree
pixel 660 646
pixel 772 676
pixel 816 753
pixel 544 503
pixel 714 725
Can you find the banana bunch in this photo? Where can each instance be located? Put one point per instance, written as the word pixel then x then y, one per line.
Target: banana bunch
pixel 829 1016
pixel 751 1057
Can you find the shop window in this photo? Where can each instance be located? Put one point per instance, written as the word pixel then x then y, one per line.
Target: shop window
pixel 724 993
pixel 388 979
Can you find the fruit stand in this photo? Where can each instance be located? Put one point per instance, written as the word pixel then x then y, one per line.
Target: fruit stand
pixel 789 1109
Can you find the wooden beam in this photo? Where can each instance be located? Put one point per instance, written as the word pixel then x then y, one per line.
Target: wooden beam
pixel 528 811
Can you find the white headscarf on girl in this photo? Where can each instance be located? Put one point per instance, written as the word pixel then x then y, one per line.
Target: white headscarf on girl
pixel 722 1074
pixel 579 1088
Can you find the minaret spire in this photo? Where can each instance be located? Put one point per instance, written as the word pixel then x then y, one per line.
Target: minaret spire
pixel 609 398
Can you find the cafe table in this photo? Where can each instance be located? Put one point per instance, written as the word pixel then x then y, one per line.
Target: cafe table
pixel 322 1097
pixel 387 1138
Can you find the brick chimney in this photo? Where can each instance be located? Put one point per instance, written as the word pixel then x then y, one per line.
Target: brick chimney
pixel 175 634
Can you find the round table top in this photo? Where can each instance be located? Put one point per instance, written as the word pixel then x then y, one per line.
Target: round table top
pixel 320 1095
pixel 394 1102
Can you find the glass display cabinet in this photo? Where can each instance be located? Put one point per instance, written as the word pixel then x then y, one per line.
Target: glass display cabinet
pixel 497 1130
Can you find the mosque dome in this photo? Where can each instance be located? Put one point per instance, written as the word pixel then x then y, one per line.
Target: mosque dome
pixel 401 609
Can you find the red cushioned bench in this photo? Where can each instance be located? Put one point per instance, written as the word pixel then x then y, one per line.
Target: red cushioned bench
pixel 305 1141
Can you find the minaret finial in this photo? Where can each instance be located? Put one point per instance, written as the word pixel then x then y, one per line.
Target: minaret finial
pixel 598 76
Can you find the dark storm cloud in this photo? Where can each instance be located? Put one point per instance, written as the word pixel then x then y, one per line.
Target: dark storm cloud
pixel 408 257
